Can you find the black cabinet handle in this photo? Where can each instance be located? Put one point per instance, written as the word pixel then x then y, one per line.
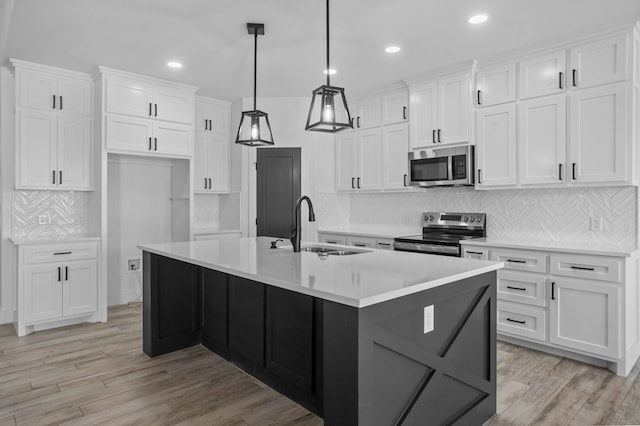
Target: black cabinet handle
pixel 560 74
pixel 384 244
pixel 573 170
pixel 560 171
pixel 53 173
pixel 359 245
pixel 475 252
pixel 60 176
pixel 58 253
pixel 358 183
pixel 404 180
pixel 479 175
pixel 60 103
pixel 59 274
pixel 519 322
pixel 553 290
pixel 358 121
pixel 433 136
pixel 516 261
pixel 582 268
pixel 479 103
pixel 439 131
pixel 353 186
pixel 205 124
pixel 210 126
pixel 149 143
pixel 149 109
pixel 54 101
pixel 66 273
pixel 575 83
pixel 404 113
pixel 155 144
pixel 209 183
pixel 516 288
pixel 205 183
pixel 156 110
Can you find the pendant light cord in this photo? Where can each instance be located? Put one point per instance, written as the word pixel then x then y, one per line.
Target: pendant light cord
pixel 255 67
pixel 328 69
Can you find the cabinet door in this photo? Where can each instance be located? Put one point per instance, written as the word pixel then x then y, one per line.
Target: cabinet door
pixel 602 62
pixel 289 336
pixel 423 115
pixel 395 107
pixel 496 146
pixel 453 109
pixel 80 288
pixel 128 134
pixel 129 97
pixel 36 148
pixel 395 156
pixel 543 75
pixel 172 139
pixel 200 162
pixel 218 162
pixel 346 149
pixel 478 253
pixel 219 116
pixel 171 104
pixel 214 307
pixel 368 113
pixel 496 85
pixel 74 152
pixel 370 163
pixel 542 140
pixel 201 116
pixel 361 242
pixel 42 292
pixel 74 96
pixel 246 318
pixel 598 148
pixel 584 315
pixel 37 90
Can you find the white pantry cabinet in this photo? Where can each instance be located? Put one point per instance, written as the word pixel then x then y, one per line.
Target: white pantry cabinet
pixel 211 146
pixel 54 139
pixel 496 85
pixel 439 111
pixel 57 285
pixel 496 146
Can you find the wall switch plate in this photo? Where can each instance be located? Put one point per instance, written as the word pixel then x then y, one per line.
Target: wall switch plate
pixel 133 264
pixel 428 319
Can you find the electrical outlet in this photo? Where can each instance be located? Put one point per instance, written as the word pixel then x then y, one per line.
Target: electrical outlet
pixel 133 264
pixel 428 319
pixel 44 219
pixel 596 224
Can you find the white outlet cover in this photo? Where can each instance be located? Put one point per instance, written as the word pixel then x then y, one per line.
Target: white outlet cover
pixel 428 319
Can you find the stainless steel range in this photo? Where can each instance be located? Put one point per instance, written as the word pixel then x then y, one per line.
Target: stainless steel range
pixel 442 233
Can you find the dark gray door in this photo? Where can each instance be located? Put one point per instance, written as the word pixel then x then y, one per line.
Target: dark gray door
pixel 278 189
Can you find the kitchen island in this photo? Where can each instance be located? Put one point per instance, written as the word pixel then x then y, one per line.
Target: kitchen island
pixel 373 338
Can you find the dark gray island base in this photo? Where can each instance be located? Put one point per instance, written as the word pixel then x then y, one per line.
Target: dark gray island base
pixel 373 365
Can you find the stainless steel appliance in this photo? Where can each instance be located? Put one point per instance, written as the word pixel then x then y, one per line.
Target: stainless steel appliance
pixel 442 233
pixel 442 166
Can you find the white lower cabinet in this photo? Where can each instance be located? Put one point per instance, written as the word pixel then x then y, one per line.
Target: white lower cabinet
pixel 331 238
pixel 57 285
pixel 361 241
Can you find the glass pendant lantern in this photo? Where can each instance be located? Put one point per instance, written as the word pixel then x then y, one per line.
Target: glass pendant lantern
pixel 254 129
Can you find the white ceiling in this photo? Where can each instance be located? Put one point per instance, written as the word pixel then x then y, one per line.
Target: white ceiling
pixel 210 37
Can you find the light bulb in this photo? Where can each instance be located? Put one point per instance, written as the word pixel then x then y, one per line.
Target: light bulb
pixel 327 114
pixel 254 131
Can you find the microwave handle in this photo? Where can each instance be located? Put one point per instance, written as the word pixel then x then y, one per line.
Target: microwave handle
pixel 450 167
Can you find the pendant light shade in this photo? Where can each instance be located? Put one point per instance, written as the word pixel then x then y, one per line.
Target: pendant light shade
pixel 254 129
pixel 329 111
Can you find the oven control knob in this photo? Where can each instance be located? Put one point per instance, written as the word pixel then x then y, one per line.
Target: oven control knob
pixel 466 219
pixel 431 218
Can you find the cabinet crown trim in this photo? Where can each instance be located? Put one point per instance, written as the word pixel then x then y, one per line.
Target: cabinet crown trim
pixel 61 72
pixel 106 71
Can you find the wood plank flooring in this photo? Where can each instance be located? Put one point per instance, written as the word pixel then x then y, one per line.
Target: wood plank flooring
pixel 93 374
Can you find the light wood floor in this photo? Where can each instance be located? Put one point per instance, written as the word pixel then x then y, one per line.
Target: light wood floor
pixel 97 374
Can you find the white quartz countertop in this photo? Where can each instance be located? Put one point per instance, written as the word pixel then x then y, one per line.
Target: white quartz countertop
pixel 52 239
pixel 559 246
pixel 361 232
pixel 358 280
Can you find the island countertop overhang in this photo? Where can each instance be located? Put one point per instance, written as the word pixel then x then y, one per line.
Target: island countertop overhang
pixel 359 280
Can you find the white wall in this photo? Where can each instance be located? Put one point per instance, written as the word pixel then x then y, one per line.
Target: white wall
pixel 288 117
pixel 139 211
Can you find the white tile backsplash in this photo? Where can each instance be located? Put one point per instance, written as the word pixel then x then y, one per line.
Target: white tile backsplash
pixel 206 211
pixel 561 214
pixel 64 213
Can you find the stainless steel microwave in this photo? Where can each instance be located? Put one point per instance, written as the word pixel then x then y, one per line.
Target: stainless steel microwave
pixel 442 166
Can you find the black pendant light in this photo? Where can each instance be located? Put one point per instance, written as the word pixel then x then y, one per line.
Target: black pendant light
pixel 329 111
pixel 254 129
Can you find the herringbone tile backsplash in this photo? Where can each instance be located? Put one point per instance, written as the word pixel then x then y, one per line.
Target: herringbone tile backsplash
pixel 555 215
pixel 65 210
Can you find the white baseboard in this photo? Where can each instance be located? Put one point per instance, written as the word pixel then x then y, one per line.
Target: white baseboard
pixel 122 298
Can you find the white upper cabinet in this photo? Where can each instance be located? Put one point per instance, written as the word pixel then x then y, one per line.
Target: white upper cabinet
pixel 496 85
pixel 369 160
pixel 601 62
pixel 496 146
pixel 211 146
pixel 212 116
pixel 368 113
pixel 599 147
pixel 54 140
pixel 543 75
pixel 395 107
pixel 172 139
pixel 395 159
pixel 346 161
pixel 439 112
pixel 173 105
pixel 542 140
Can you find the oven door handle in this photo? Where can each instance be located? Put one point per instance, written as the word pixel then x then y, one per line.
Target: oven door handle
pixel 427 248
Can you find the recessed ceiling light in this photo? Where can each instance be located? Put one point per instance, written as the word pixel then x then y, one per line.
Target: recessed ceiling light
pixel 392 49
pixel 174 64
pixel 331 71
pixel 477 19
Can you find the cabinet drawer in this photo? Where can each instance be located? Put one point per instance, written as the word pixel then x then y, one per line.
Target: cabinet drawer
pixel 480 253
pixel 522 287
pixel 361 242
pixel 332 239
pixel 384 244
pixel 59 252
pixel 522 321
pixel 591 267
pixel 521 260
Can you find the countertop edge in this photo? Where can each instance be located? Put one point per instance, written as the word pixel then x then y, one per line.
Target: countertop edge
pixel 572 250
pixel 21 242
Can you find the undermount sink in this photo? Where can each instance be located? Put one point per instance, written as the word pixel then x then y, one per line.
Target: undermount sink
pixel 332 251
pixel 316 249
